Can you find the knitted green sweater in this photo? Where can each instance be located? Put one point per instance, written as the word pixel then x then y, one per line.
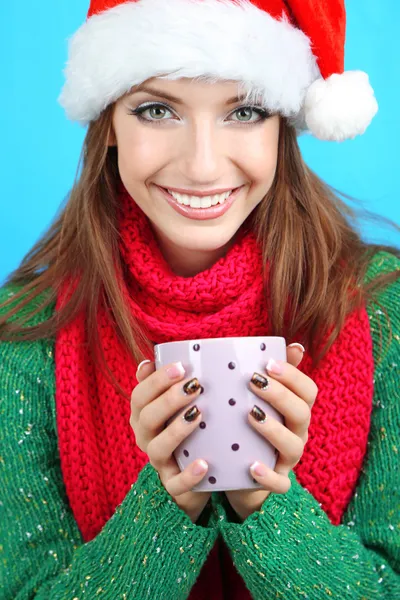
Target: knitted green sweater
pixel 150 548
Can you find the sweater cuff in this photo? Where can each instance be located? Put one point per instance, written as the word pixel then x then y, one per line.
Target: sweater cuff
pixel 272 511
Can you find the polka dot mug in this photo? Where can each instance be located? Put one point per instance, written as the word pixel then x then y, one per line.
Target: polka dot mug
pixel 224 437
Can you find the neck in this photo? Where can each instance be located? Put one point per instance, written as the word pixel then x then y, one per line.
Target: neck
pixel 188 263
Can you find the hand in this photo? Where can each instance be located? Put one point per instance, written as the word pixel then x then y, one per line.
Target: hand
pixel 292 394
pixel 156 398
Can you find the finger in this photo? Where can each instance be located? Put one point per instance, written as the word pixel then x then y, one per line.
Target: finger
pixel 161 447
pixel 295 354
pixel 296 412
pixel 155 384
pixel 296 381
pixel 144 369
pixel 154 415
pixel 289 445
pixel 270 480
pixel 187 479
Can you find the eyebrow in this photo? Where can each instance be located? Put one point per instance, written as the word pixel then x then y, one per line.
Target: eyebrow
pixel 161 94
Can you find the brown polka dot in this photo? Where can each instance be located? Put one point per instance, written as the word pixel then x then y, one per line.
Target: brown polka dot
pixel 232 402
pixel 202 425
pixel 201 390
pixel 235 447
pixel 196 347
pixel 232 365
pixel 186 453
pixel 212 480
pixel 263 346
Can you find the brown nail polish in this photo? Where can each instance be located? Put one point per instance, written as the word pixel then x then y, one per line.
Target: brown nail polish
pixel 191 414
pixel 191 386
pixel 260 381
pixel 258 414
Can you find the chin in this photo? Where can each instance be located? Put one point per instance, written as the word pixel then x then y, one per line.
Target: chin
pixel 208 240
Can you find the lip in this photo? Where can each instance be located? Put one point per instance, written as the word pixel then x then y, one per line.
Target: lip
pixel 200 194
pixel 201 214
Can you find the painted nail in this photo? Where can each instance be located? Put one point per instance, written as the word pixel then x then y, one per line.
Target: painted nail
pixel 296 344
pixel 141 364
pixel 191 386
pixel 258 414
pixel 260 381
pixel 259 469
pixel 275 366
pixel 199 467
pixel 175 370
pixel 191 414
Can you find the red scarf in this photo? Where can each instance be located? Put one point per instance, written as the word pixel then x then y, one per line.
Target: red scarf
pixel 99 457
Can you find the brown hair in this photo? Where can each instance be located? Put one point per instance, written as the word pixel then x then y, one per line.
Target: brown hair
pixel 301 224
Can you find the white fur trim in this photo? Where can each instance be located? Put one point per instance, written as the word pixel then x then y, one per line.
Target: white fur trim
pixel 209 39
pixel 340 107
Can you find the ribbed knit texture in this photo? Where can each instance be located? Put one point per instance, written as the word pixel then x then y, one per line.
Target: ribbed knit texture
pixel 149 548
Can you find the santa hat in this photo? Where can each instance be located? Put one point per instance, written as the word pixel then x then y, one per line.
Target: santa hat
pixel 288 52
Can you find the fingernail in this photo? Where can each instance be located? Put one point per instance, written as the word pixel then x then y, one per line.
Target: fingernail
pixel 175 370
pixel 260 381
pixel 259 469
pixel 258 414
pixel 275 366
pixel 199 467
pixel 191 414
pixel 298 345
pixel 192 386
pixel 141 364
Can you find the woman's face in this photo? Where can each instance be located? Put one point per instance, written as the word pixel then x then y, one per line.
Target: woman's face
pixel 200 142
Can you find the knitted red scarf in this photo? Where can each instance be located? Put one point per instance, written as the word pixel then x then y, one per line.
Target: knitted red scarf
pixel 99 458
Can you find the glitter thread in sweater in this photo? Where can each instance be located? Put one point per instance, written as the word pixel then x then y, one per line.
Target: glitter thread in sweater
pixel 149 547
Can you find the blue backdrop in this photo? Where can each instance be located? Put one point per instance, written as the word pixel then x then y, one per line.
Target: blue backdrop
pixel 40 147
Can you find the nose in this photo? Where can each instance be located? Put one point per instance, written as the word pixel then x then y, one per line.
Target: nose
pixel 202 153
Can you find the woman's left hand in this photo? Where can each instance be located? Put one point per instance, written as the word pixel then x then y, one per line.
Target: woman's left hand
pixel 292 394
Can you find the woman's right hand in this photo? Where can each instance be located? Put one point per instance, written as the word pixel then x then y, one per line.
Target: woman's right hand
pixel 157 397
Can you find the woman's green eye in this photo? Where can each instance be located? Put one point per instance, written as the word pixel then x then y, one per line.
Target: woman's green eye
pixel 155 116
pixel 246 109
pixel 156 108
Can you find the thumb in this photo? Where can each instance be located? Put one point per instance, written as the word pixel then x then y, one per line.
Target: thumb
pixel 144 369
pixel 295 353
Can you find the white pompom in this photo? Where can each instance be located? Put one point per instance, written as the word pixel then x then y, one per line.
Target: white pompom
pixel 340 107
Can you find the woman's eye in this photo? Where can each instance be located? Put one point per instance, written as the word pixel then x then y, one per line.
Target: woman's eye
pixel 246 113
pixel 157 112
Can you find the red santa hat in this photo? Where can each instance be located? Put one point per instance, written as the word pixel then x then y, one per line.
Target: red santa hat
pixel 289 53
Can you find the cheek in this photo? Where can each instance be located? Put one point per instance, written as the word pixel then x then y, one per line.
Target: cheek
pixel 260 155
pixel 139 152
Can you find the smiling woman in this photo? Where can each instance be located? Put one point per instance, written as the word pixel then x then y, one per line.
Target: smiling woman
pixel 200 144
pixel 195 216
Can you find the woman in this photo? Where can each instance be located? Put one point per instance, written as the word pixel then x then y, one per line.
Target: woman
pixel 204 99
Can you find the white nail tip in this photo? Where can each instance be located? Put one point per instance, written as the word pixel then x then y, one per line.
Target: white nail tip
pixel 298 345
pixel 142 363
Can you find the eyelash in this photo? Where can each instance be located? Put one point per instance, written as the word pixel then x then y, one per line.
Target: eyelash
pixel 137 112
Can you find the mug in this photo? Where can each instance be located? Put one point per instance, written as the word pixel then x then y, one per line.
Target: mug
pixel 224 438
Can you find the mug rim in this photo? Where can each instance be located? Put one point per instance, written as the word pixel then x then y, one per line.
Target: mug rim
pixel 246 337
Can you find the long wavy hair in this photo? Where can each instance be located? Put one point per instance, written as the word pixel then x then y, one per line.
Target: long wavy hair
pixel 304 229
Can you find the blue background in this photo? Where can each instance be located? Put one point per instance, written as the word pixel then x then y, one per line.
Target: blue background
pixel 40 147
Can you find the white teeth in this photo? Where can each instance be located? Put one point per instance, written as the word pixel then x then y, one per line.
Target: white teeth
pixel 196 202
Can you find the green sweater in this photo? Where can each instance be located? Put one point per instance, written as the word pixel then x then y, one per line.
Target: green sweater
pixel 150 548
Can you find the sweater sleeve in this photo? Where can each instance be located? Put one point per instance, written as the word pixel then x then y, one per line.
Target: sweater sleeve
pixel 148 546
pixel 290 547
